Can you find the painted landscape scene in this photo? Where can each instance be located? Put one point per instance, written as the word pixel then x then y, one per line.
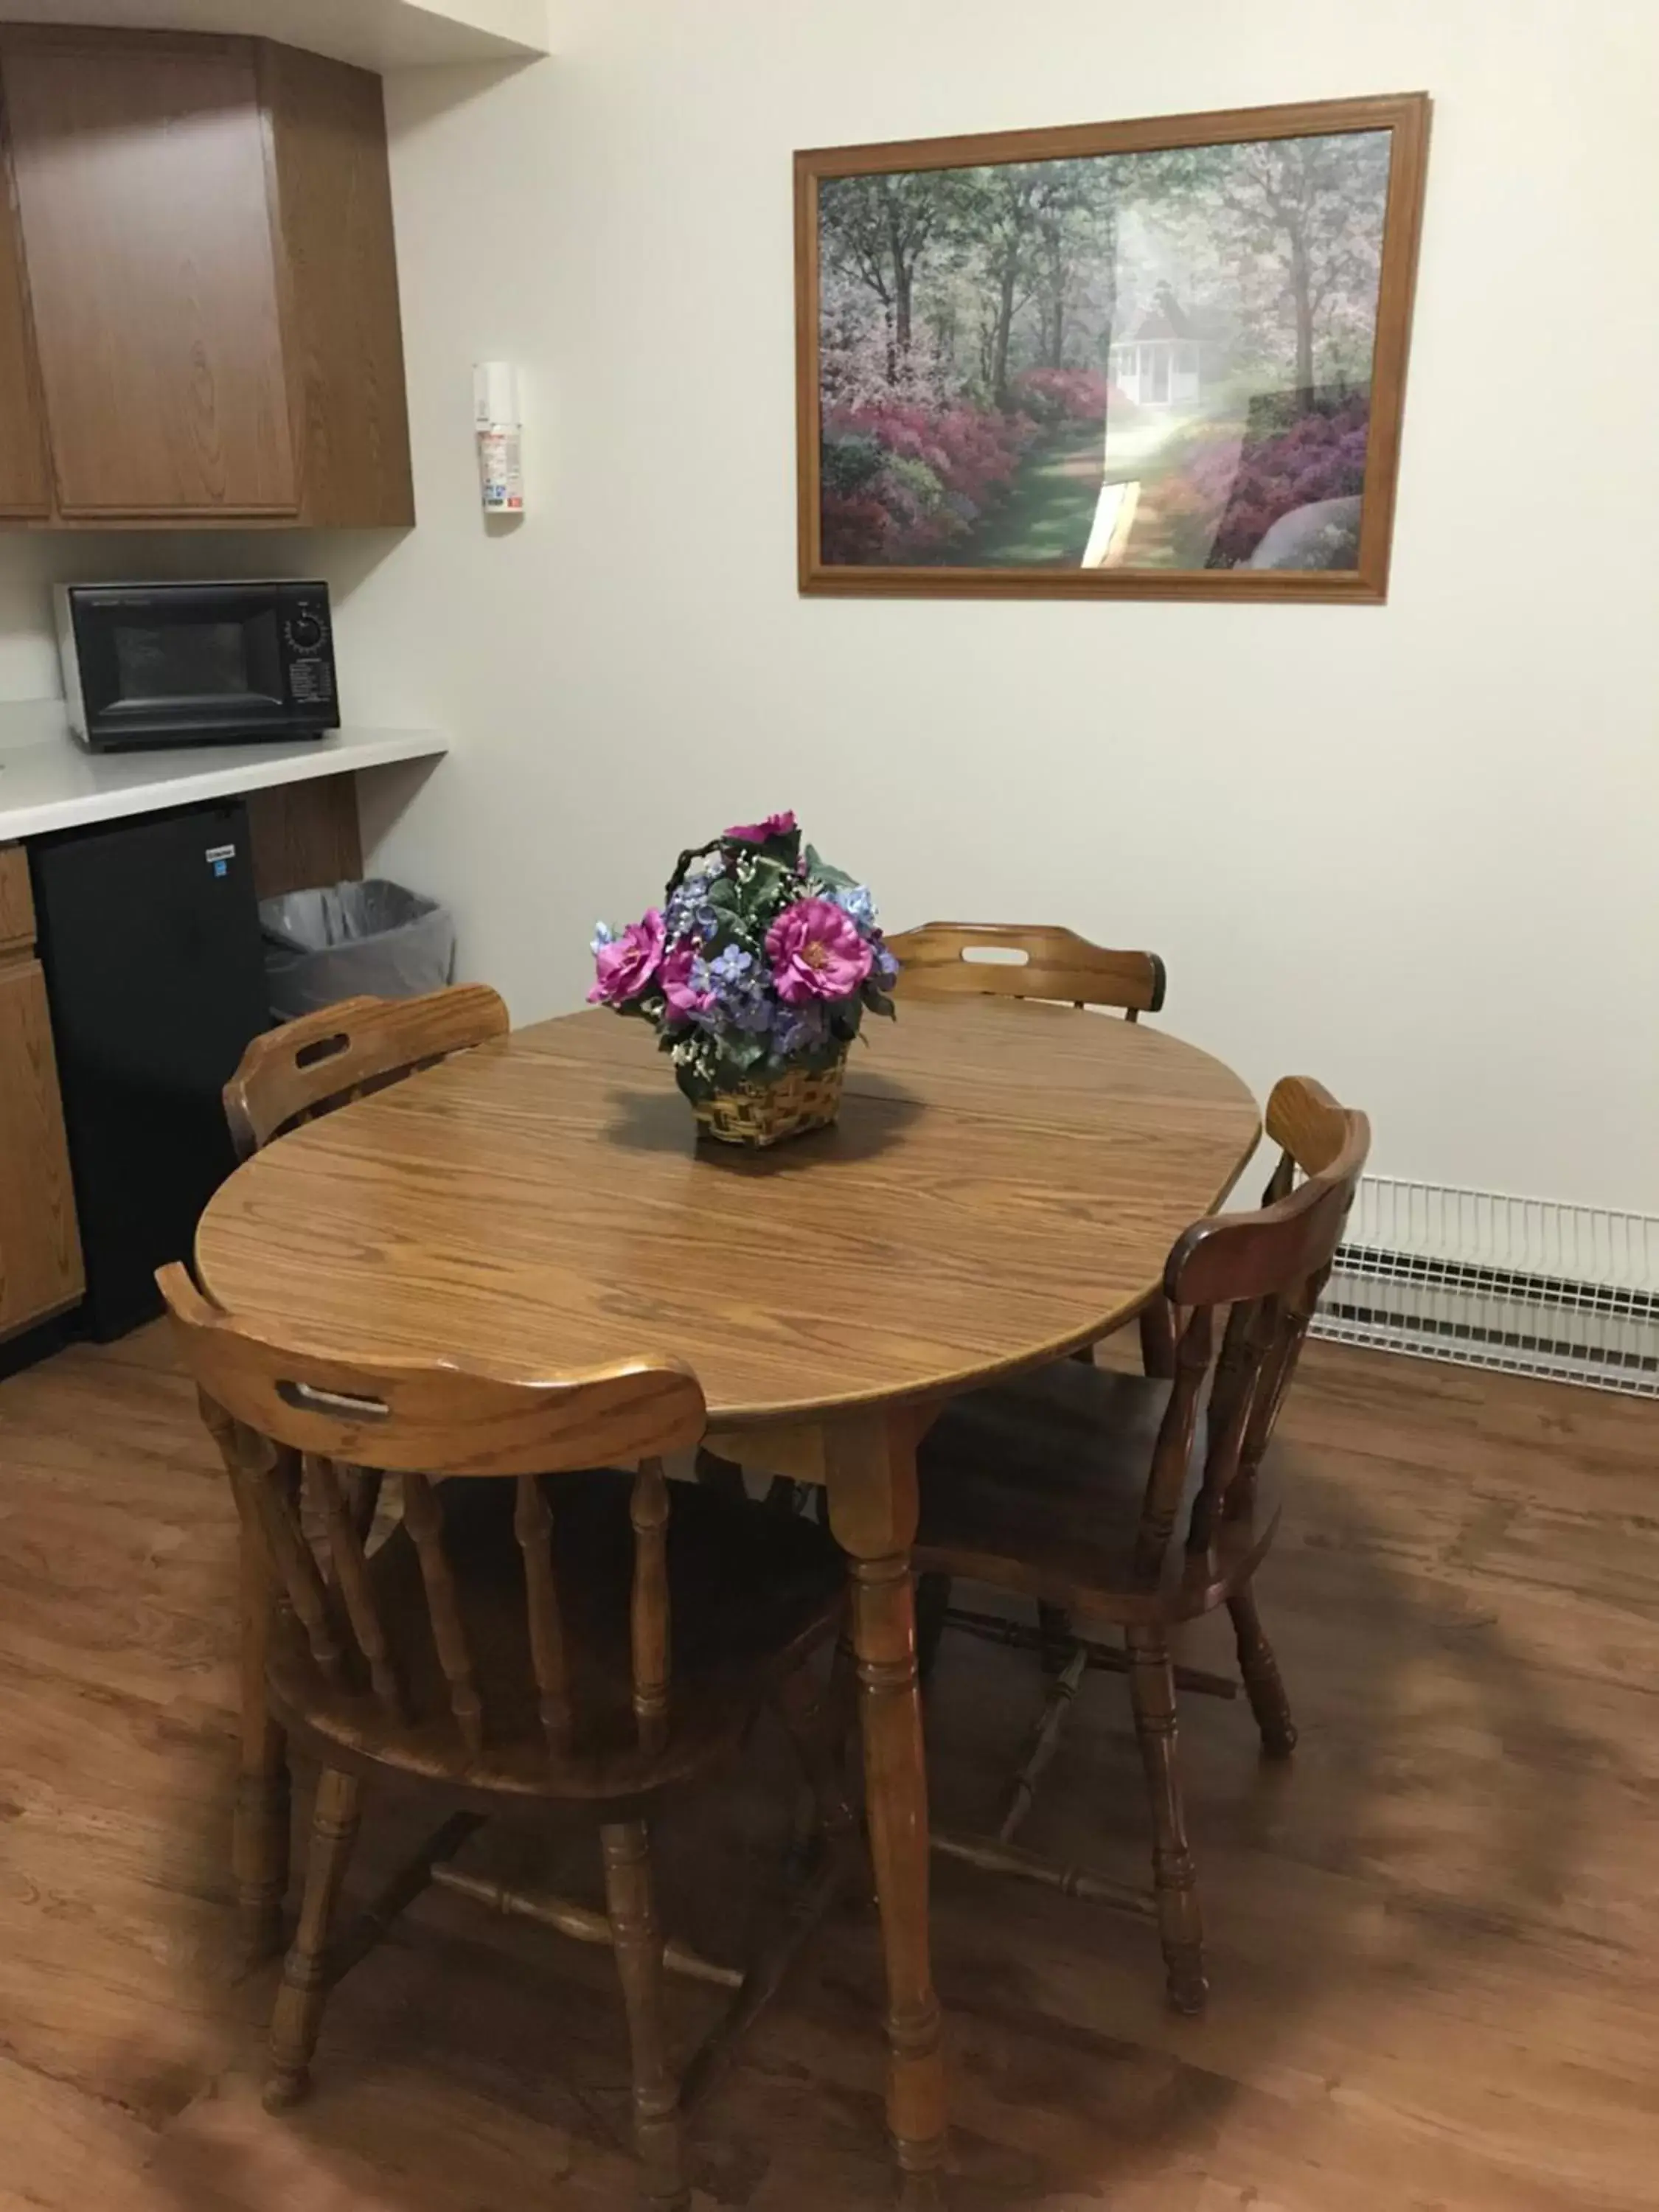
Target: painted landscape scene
pixel 1145 360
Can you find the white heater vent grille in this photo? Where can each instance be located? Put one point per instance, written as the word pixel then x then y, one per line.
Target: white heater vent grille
pixel 1519 1283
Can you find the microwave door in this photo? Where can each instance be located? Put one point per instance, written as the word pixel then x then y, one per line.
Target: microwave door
pixel 152 668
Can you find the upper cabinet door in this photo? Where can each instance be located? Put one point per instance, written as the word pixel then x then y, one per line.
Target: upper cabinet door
pixel 24 486
pixel 142 182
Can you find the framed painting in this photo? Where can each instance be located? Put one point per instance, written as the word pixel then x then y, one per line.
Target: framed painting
pixel 1162 359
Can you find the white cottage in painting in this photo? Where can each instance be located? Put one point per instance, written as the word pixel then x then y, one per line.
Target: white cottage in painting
pixel 1173 357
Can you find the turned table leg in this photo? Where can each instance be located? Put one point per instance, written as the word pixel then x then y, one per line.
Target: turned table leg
pixel 259 1838
pixel 871 1464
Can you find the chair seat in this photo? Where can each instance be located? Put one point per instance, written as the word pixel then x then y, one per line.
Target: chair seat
pixel 1036 1485
pixel 750 1591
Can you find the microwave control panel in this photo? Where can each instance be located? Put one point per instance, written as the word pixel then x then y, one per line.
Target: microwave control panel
pixel 310 662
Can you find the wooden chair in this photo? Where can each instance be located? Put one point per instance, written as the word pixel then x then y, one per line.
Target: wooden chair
pixel 322 1060
pixel 290 1075
pixel 1042 1486
pixel 560 1637
pixel 1014 960
pixel 1035 960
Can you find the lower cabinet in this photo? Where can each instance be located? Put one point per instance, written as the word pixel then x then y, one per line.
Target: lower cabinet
pixel 39 1244
pixel 301 834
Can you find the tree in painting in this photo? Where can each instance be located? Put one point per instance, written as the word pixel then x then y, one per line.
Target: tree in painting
pixel 1158 360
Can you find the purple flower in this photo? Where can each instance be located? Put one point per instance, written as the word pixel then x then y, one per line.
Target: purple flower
pixel 799 1028
pixel 685 978
pixel 624 965
pixel 757 833
pixel 815 952
pixel 883 962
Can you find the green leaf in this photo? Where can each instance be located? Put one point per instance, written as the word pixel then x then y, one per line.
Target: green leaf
pixel 742 1052
pixel 835 878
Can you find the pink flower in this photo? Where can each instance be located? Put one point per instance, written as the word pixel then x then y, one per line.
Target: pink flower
pixel 815 952
pixel 626 965
pixel 757 833
pixel 677 986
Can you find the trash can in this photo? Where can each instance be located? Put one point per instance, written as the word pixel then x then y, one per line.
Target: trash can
pixel 371 939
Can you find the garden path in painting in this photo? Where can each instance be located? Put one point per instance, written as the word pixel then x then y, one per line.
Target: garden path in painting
pixel 1215 306
pixel 1048 519
pixel 1045 519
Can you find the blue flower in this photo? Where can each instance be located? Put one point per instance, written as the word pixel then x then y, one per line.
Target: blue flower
pixel 854 900
pixel 688 913
pixel 884 966
pixel 730 967
pixel 603 934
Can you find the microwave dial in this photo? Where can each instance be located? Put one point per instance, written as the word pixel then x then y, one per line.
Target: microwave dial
pixel 306 630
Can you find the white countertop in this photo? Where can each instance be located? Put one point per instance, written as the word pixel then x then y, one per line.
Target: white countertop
pixel 49 782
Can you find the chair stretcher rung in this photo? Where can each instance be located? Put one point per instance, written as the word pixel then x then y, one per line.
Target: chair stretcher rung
pixel 993 1857
pixel 993 1628
pixel 579 1920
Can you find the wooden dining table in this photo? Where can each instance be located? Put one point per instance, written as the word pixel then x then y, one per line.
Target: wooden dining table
pixel 1002 1187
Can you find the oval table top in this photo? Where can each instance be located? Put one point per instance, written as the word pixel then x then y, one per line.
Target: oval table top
pixel 1004 1183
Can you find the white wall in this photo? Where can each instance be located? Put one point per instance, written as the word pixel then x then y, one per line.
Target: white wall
pixel 1410 849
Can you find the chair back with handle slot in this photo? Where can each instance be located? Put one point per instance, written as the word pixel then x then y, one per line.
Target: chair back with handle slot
pixel 311 1066
pixel 269 1408
pixel 1011 960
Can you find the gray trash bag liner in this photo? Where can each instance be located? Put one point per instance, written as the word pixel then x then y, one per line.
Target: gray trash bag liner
pixel 371 939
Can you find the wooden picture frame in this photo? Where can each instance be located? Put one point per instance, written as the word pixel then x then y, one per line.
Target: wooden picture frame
pixel 1371 224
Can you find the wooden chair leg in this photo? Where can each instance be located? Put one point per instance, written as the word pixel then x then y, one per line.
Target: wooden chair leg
pixel 657 2129
pixel 305 1975
pixel 1151 1688
pixel 260 1840
pixel 1262 1685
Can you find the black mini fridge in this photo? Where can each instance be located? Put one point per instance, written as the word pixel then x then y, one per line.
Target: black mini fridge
pixel 150 935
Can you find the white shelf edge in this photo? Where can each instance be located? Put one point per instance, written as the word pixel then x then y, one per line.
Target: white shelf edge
pixel 54 793
pixel 377 34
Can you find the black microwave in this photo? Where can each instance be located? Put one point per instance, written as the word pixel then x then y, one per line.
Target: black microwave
pixel 197 664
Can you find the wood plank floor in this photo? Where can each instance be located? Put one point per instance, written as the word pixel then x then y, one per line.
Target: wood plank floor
pixel 1434 1940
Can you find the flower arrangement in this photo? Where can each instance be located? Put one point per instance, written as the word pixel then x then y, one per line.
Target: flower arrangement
pixel 758 970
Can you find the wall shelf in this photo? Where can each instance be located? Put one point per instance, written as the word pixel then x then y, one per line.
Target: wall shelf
pixel 377 34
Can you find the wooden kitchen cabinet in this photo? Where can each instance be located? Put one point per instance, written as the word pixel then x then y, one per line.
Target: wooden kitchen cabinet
pixel 141 179
pixel 209 280
pixel 25 485
pixel 40 1271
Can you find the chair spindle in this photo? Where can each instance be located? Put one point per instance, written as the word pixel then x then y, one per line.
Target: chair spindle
pixel 269 1495
pixel 351 1571
pixel 424 1516
pixel 1174 1448
pixel 648 1512
pixel 532 1524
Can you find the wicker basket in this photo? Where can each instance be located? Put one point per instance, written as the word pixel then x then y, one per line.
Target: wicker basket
pixel 758 1114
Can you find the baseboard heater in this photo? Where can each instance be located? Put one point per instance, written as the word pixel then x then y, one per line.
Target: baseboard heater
pixel 1529 1287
